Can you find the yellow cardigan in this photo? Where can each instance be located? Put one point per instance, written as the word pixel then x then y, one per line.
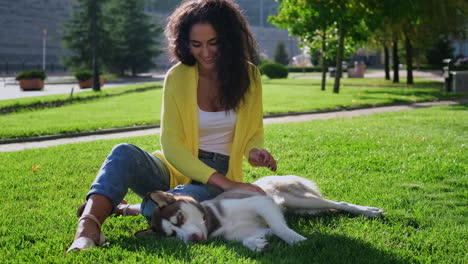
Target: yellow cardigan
pixel 179 127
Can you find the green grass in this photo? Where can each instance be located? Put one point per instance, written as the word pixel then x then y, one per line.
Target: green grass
pixel 412 163
pixel 26 102
pixel 121 107
pixel 371 82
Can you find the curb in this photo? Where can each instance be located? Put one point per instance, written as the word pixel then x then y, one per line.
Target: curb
pixel 78 134
pixel 269 116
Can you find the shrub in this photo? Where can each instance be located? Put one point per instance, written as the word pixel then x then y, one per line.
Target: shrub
pixel 274 70
pixel 305 69
pixel 83 75
pixel 280 54
pixel 31 74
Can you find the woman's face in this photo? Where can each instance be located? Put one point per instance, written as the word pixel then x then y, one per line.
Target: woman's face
pixel 203 43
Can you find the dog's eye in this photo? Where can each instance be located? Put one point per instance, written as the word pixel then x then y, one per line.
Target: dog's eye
pixel 180 218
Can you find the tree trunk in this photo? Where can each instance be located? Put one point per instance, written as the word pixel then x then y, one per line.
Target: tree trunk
pixel 339 58
pixel 96 84
pixel 396 62
pixel 387 62
pixel 409 60
pixel 324 61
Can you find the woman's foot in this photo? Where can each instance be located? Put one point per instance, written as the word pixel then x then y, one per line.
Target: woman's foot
pixel 88 234
pixel 125 209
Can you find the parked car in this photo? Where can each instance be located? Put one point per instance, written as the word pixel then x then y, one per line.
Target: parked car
pixel 461 61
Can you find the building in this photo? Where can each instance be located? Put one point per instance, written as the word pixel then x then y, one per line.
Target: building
pixel 30 32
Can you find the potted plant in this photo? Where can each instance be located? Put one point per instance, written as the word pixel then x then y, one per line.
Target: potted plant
pixel 31 80
pixel 85 78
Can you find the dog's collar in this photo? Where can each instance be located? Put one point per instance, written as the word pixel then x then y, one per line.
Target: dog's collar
pixel 211 221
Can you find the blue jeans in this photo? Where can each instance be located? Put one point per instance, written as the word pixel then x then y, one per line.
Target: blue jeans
pixel 129 167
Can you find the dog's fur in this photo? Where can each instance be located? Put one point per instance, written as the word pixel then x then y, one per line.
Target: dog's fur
pixel 241 215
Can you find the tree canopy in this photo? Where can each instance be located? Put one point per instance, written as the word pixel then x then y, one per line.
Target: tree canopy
pixel 125 36
pixel 412 23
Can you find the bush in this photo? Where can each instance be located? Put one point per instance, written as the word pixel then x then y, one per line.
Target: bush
pixel 264 61
pixel 274 70
pixel 83 75
pixel 32 74
pixel 305 69
pixel 460 68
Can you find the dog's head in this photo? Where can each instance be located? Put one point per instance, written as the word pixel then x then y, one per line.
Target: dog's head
pixel 176 215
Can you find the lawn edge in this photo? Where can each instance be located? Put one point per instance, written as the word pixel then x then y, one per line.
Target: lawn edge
pixel 460 100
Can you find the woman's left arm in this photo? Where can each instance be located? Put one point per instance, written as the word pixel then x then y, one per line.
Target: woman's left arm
pixel 254 152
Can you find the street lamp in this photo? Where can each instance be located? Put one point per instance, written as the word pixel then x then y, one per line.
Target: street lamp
pixel 44 42
pixel 261 13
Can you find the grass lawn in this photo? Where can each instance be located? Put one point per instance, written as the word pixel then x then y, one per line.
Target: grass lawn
pixel 411 163
pixel 121 107
pixel 77 97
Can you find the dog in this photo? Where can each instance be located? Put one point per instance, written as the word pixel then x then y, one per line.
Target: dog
pixel 244 216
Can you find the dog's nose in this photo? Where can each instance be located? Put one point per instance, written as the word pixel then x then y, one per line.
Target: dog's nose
pixel 196 238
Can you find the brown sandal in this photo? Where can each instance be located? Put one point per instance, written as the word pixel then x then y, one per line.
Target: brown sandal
pixel 83 243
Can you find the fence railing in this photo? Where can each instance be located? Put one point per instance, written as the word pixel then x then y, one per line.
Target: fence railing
pixel 13 68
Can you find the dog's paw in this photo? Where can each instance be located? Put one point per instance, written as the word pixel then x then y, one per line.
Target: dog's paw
pixel 296 238
pixel 372 211
pixel 361 209
pixel 290 236
pixel 255 243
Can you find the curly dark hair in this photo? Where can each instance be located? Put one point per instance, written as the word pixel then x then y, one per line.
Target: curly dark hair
pixel 236 45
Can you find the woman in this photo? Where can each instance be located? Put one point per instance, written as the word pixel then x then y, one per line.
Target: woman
pixel 211 118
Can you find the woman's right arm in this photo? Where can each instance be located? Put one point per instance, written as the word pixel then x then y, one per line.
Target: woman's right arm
pixel 173 136
pixel 219 180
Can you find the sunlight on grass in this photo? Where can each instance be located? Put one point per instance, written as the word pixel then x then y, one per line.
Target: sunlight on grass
pixel 123 107
pixel 412 163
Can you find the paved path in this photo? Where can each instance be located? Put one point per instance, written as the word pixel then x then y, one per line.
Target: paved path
pixel 269 120
pixel 9 88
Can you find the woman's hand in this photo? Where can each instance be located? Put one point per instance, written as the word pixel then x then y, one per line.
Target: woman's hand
pixel 262 158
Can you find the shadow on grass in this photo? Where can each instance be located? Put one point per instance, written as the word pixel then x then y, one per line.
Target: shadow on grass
pixel 433 93
pixel 426 95
pixel 319 248
pixel 418 85
pixel 460 107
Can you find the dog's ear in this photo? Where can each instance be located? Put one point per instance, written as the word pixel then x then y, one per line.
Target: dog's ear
pixel 146 233
pixel 161 198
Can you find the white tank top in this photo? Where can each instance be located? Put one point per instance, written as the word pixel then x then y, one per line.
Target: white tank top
pixel 216 130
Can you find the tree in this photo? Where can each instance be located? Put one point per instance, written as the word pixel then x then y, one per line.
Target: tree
pixel 126 36
pixel 418 23
pixel 133 37
pixel 280 54
pixel 439 51
pixel 382 39
pixel 306 19
pixel 77 36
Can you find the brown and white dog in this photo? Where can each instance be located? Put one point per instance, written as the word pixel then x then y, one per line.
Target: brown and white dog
pixel 244 216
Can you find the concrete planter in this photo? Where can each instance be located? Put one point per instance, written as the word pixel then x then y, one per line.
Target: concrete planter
pixel 31 84
pixel 89 83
